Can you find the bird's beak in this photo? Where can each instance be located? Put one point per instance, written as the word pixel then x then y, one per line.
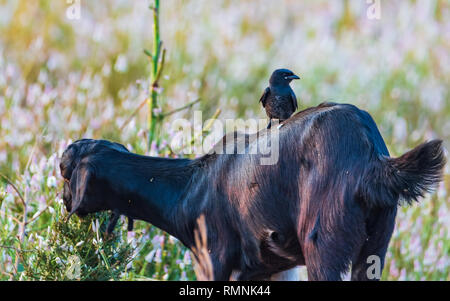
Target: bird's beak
pixel 291 77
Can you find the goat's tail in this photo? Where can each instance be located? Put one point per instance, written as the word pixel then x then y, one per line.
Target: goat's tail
pixel 390 181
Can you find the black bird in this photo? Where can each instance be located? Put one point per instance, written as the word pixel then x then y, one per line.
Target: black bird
pixel 278 99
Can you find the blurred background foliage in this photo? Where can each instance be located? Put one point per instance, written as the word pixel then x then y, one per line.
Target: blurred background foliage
pixel 63 79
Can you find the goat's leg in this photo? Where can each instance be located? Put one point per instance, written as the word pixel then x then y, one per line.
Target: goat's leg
pixel 370 261
pixel 257 273
pixel 288 275
pixel 328 254
pixel 130 224
pixel 221 267
pixel 112 222
pixel 323 266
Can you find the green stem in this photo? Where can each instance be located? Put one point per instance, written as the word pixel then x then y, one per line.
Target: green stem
pixel 153 100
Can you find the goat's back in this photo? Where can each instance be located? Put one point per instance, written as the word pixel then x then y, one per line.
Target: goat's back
pixel 320 149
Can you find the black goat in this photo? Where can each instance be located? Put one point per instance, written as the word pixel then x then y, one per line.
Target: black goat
pixel 330 200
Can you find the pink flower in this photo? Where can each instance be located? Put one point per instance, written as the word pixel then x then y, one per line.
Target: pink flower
pixel 158 256
pixel 187 258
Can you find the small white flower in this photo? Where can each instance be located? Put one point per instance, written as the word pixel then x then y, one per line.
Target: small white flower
pixel 9 198
pixel 64 247
pixel 51 182
pixel 121 64
pixel 150 256
pixel 79 243
pixel 129 265
pixel 94 227
pixel 172 239
pixel 157 111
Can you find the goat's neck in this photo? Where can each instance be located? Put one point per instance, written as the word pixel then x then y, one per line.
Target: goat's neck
pixel 161 184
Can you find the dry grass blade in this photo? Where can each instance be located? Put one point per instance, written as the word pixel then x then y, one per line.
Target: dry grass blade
pixel 202 261
pixel 14 187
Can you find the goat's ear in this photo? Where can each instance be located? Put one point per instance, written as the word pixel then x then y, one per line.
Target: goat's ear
pixel 78 186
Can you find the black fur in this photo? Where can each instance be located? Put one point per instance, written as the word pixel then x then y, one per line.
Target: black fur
pixel 330 200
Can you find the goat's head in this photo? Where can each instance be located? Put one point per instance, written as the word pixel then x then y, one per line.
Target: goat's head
pixel 77 175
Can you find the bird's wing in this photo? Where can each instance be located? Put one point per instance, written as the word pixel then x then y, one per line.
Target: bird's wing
pixel 264 96
pixel 294 100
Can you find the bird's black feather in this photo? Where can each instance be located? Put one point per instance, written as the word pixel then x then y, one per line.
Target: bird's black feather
pixel 279 99
pixel 264 97
pixel 294 100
